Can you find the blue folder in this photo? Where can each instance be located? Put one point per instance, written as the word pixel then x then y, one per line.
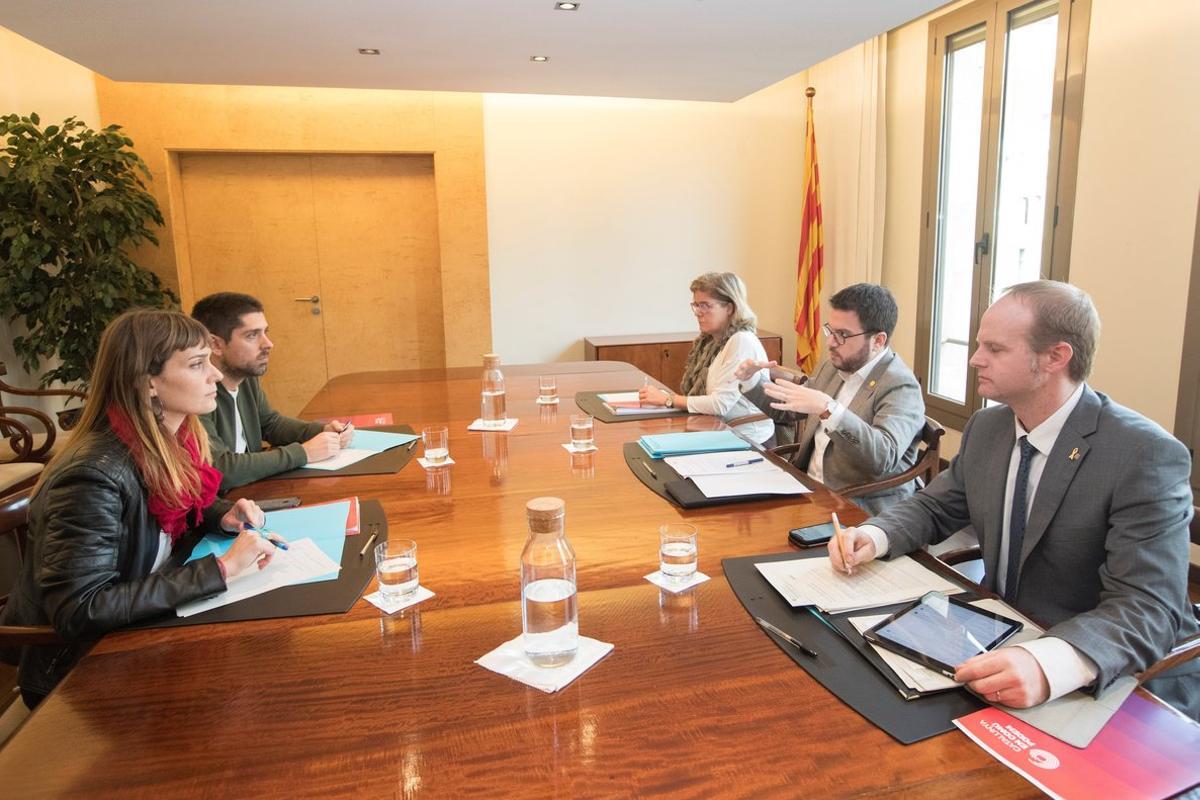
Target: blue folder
pixel 681 444
pixel 379 441
pixel 324 524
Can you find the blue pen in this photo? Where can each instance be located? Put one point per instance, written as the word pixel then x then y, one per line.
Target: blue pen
pixel 263 533
pixel 746 463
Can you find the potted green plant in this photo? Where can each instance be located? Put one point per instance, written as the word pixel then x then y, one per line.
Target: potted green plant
pixel 73 203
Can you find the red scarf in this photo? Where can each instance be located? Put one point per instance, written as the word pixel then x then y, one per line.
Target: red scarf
pixel 172 518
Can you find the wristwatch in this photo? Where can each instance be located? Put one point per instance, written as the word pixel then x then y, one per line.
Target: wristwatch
pixel 829 407
pixel 670 401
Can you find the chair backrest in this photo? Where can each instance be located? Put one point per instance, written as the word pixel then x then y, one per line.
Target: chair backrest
pixel 14 529
pixel 1194 528
pixel 928 465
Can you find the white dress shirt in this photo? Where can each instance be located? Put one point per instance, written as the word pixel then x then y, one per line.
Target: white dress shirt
pixel 851 383
pixel 1066 669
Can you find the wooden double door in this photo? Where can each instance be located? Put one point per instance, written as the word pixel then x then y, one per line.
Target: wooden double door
pixel 341 249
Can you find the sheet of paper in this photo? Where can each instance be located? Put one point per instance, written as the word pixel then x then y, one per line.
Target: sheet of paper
pixel 718 464
pixel 813 582
pixel 378 441
pixel 325 524
pixel 343 458
pixel 741 484
pixel 300 563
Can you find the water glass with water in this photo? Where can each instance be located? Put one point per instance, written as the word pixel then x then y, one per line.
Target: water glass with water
pixel 582 431
pixel 547 389
pixel 436 439
pixel 677 551
pixel 396 568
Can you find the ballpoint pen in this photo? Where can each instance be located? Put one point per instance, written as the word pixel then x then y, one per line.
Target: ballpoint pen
pixel 745 463
pixel 367 546
pixel 411 445
pixel 841 540
pixel 263 533
pixel 647 466
pixel 792 640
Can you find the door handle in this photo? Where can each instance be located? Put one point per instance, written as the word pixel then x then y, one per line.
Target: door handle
pixel 314 299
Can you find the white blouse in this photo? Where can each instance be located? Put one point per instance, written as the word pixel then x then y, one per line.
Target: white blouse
pixel 724 398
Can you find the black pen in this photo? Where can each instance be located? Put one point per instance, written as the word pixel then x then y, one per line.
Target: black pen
pixel 647 466
pixel 799 645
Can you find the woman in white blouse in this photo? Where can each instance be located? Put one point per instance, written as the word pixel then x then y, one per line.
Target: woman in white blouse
pixel 728 336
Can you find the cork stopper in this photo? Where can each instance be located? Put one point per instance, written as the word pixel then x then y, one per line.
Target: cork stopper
pixel 545 514
pixel 491 361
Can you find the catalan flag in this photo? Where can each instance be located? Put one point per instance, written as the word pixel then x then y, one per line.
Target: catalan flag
pixel 812 256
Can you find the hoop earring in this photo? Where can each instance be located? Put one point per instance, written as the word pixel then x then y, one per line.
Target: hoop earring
pixel 156 408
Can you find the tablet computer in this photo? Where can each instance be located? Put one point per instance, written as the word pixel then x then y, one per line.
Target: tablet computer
pixel 942 632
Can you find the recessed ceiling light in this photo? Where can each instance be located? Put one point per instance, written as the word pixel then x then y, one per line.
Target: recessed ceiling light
pixel 540 59
pixel 368 51
pixel 566 6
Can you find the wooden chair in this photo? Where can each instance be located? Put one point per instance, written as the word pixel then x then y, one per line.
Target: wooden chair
pixel 1183 651
pixel 1194 529
pixel 29 434
pixel 928 465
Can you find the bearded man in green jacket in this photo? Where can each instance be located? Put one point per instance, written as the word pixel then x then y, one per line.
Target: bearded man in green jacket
pixel 244 418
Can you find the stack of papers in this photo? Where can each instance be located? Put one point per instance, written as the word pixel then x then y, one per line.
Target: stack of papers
pixel 325 524
pixel 302 562
pixel 623 403
pixel 680 444
pixel 735 474
pixel 364 444
pixel 814 582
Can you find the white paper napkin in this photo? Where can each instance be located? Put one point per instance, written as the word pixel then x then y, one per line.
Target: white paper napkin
pixel 478 425
pixel 661 581
pixel 447 461
pixel 551 402
pixel 570 448
pixel 389 606
pixel 509 659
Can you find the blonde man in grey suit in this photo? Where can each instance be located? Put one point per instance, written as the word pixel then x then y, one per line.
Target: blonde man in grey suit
pixel 862 412
pixel 1081 506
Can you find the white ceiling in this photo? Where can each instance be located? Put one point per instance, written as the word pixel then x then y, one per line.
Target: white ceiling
pixel 671 49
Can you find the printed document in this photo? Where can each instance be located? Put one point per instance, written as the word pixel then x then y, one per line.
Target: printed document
pixel 301 562
pixel 813 582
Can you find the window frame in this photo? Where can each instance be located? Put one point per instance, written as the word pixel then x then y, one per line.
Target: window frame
pixel 1062 169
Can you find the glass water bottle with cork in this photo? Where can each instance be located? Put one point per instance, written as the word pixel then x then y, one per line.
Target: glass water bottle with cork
pixel 492 400
pixel 549 602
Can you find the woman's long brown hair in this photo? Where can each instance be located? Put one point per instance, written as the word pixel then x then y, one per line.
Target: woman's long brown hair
pixel 133 348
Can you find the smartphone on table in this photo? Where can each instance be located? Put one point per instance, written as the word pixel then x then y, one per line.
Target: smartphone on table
pixel 811 536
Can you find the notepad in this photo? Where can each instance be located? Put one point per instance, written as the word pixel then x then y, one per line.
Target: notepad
pixel 324 524
pixel 679 444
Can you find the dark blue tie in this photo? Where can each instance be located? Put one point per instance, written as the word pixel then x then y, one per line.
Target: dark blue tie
pixel 1016 519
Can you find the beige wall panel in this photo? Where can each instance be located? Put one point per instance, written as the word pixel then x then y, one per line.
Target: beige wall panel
pixel 251 229
pixel 165 118
pixel 377 226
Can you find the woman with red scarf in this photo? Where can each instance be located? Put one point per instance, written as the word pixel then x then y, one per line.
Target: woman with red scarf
pixel 109 509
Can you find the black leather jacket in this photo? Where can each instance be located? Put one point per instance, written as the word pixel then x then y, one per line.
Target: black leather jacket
pixel 92 543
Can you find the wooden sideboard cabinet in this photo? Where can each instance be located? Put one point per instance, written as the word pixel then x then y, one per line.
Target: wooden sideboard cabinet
pixel 661 355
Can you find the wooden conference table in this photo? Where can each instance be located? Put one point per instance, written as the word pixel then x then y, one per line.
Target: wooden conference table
pixel 694 701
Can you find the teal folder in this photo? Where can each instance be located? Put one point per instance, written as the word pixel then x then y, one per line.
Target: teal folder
pixel 324 524
pixel 681 444
pixel 378 441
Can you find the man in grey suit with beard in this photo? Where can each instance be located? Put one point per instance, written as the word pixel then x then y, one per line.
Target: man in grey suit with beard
pixel 1081 507
pixel 862 412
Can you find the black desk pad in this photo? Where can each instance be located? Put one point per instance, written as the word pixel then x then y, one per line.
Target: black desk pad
pixel 667 484
pixel 388 461
pixel 840 667
pixel 305 599
pixel 590 403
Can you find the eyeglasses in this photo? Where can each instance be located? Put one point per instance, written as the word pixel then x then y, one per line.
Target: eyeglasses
pixel 705 307
pixel 840 337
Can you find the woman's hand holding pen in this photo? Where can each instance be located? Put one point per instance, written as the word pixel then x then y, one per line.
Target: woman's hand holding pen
pixel 252 544
pixel 344 430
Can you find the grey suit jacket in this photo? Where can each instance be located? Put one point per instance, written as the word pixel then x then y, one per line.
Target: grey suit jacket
pixel 878 434
pixel 1104 561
